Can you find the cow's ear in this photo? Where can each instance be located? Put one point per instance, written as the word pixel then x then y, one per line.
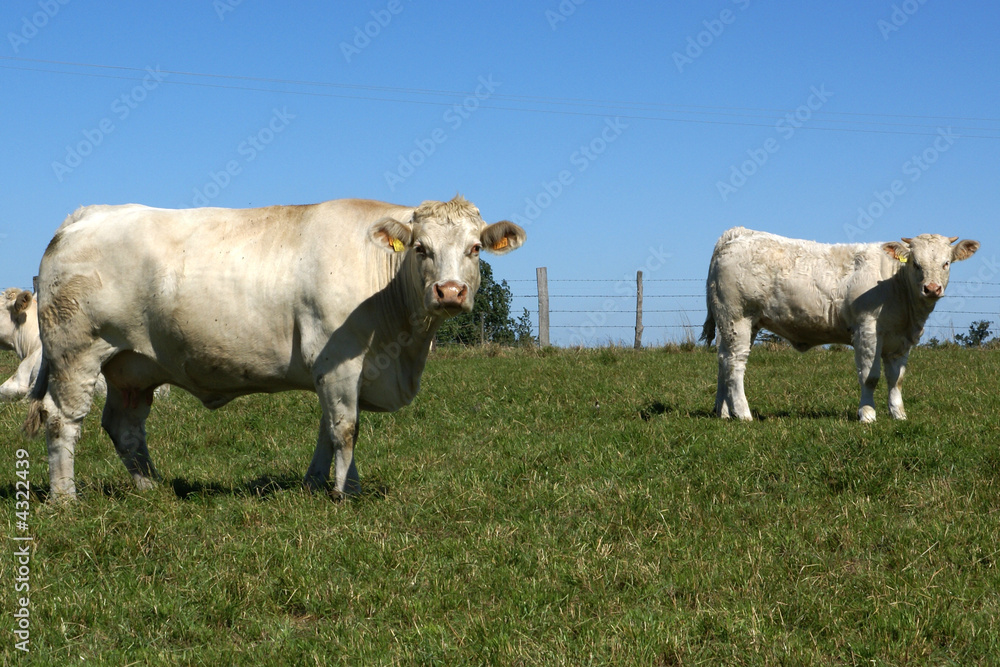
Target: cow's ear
pixel 391 235
pixel 502 237
pixel 22 302
pixel 964 250
pixel 897 250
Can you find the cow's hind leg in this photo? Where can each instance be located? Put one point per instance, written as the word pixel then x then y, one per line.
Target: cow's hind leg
pixel 124 419
pixel 65 404
pixel 735 339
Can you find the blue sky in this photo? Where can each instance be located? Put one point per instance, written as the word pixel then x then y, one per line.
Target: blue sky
pixel 624 136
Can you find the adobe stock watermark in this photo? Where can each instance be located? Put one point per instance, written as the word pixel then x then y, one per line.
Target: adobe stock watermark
pixel 581 159
pixel 30 25
pixel 655 260
pixel 714 27
pixel 121 108
pixel 912 169
pixel 363 35
pixel 223 7
pixel 899 17
pixel 786 128
pixel 562 12
pixel 454 117
pixel 248 150
pixel 22 551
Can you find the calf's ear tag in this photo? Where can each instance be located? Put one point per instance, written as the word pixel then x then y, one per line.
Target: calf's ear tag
pixel 397 245
pixel 902 260
pixel 502 243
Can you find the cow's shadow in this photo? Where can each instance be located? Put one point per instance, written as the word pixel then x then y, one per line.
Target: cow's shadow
pixel 262 487
pixel 259 487
pixel 657 408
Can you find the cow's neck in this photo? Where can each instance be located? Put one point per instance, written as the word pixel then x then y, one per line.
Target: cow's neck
pixel 917 308
pixel 405 327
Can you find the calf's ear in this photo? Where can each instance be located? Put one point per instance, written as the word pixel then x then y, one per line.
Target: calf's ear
pixel 502 237
pixel 391 235
pixel 964 250
pixel 23 301
pixel 896 250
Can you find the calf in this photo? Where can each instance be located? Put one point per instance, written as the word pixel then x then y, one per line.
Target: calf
pixel 19 332
pixel 874 296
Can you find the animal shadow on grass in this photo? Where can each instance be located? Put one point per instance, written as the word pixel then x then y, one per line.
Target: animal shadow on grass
pixel 806 413
pixel 657 408
pixel 261 487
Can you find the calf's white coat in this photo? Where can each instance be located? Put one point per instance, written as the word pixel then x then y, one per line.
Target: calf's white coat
pixel 876 297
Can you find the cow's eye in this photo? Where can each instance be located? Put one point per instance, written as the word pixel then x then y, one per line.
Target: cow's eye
pixel 474 250
pixel 946 265
pixel 419 249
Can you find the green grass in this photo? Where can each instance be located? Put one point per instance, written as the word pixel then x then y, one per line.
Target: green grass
pixel 506 519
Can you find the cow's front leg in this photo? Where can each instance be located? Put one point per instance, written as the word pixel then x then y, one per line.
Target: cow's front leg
pixel 20 383
pixel 895 369
pixel 338 431
pixel 867 350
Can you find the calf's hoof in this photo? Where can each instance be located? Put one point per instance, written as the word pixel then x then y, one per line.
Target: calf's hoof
pixel 866 414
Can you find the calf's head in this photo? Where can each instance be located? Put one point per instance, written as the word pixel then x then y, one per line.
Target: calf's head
pixel 16 304
pixel 443 241
pixel 927 260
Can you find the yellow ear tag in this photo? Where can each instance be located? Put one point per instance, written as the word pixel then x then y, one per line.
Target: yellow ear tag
pixel 902 260
pixel 397 245
pixel 502 243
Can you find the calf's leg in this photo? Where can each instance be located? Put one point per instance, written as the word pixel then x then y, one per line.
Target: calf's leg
pixel 895 369
pixel 734 348
pixel 867 350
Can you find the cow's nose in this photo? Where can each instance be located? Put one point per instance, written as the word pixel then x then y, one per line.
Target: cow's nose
pixel 450 294
pixel 933 289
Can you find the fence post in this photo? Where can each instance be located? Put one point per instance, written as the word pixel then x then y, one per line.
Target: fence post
pixel 541 275
pixel 482 328
pixel 638 310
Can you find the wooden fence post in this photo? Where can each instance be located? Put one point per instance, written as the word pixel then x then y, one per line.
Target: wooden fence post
pixel 542 277
pixel 638 310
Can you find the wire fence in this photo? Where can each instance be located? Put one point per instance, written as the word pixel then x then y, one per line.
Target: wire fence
pixel 595 311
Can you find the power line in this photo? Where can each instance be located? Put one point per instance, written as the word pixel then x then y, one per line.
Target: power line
pixel 661 108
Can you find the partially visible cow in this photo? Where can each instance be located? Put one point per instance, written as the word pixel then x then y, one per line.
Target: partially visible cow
pixel 19 332
pixel 874 296
pixel 342 298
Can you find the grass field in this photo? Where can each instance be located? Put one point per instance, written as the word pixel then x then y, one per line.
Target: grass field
pixel 545 508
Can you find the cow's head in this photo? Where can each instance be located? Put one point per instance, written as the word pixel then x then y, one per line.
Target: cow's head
pixel 16 303
pixel 443 240
pixel 927 260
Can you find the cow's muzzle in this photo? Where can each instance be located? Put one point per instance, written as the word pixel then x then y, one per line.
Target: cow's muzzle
pixel 933 290
pixel 450 295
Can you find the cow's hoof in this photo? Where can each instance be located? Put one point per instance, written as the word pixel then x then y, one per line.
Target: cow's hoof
pixel 866 415
pixel 144 483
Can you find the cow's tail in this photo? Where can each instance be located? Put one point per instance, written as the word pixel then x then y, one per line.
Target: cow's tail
pixel 36 411
pixel 708 329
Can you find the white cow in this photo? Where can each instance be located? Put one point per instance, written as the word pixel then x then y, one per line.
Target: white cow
pixel 874 296
pixel 19 332
pixel 341 298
